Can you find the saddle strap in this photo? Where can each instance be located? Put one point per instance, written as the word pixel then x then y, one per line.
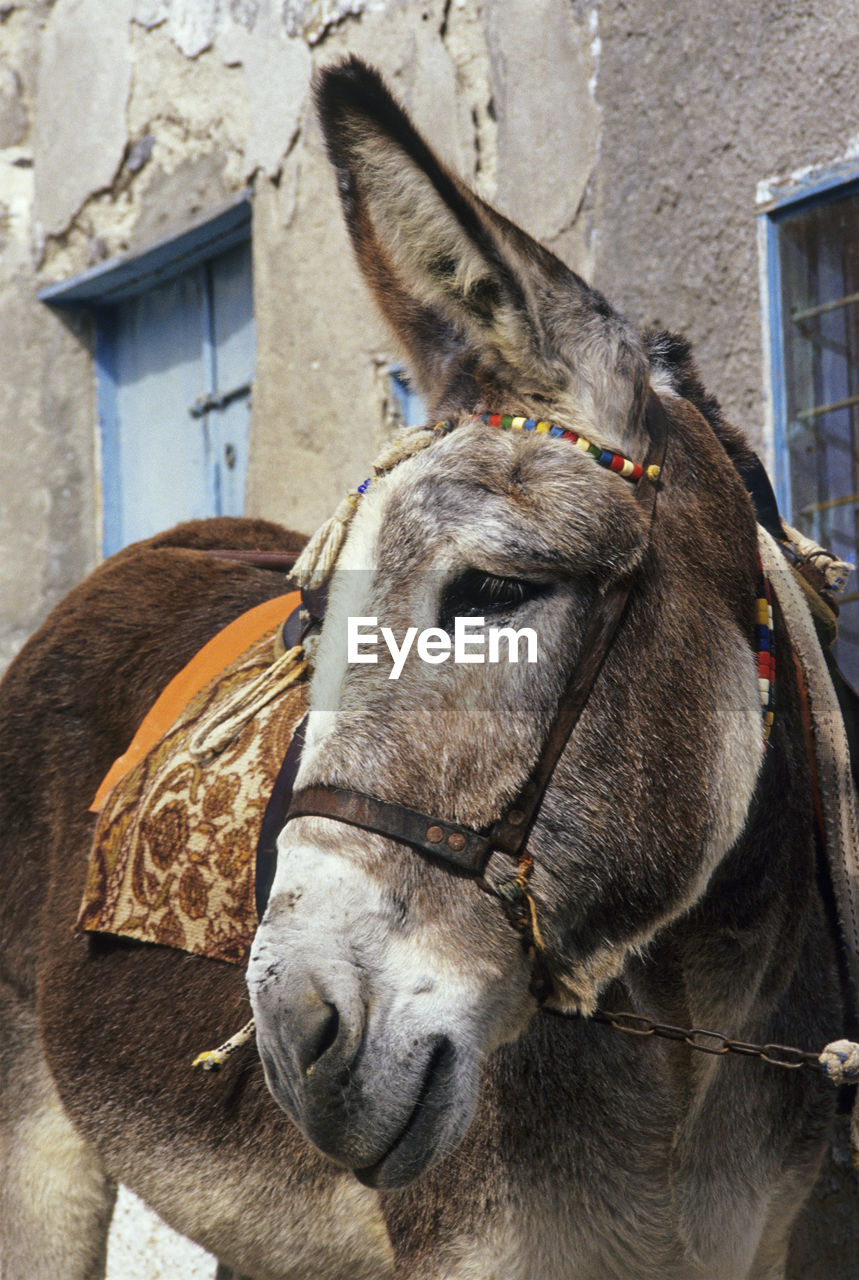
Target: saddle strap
pixel 831 753
pixel 280 561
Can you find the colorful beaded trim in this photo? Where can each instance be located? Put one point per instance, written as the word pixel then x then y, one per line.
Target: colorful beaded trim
pixel 765 647
pixel 611 461
pixel 616 462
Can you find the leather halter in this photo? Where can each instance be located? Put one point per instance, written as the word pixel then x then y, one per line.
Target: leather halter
pixel 462 848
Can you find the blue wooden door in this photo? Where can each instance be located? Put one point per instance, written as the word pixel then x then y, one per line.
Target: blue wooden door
pixel 179 361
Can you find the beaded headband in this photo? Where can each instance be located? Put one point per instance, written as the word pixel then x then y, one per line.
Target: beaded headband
pixel 632 471
pixel 318 558
pixel 611 461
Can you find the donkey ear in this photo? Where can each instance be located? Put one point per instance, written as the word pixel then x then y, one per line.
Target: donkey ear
pixel 480 306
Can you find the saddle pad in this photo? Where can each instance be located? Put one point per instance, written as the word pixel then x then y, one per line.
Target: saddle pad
pixel 173 854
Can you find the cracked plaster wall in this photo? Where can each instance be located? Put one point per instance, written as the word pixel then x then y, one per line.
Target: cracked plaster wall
pixel 695 113
pixel 46 424
pixel 126 123
pixel 629 134
pixel 457 67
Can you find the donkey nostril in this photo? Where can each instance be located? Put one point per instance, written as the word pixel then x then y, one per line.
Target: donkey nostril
pixel 322 1031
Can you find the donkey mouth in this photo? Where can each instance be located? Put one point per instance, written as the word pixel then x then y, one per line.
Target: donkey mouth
pixel 433 1128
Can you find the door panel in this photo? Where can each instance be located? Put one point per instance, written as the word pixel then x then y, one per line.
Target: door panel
pixel 180 360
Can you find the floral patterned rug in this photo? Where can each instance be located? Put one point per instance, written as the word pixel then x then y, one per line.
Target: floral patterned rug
pixel 174 849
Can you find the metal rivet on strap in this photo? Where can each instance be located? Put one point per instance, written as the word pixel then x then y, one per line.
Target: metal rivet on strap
pixel 434 835
pixel 456 842
pixel 516 817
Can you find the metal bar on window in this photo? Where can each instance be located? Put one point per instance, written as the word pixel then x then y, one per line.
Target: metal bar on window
pixel 819 410
pixel 823 342
pixel 830 504
pixel 849 598
pixel 810 312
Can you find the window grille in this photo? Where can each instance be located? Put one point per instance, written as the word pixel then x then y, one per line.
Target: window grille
pixel 814 280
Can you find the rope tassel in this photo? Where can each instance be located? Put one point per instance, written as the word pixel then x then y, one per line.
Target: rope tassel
pixel 316 562
pixel 840 1062
pixel 314 565
pixel 214 1059
pixel 232 714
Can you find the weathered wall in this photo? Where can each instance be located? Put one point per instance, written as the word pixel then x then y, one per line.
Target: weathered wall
pixel 701 102
pixel 126 123
pixel 120 124
pixel 47 513
pixel 322 393
pixel 629 135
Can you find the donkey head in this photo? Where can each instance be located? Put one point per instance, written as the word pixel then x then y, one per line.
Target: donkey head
pixel 381 979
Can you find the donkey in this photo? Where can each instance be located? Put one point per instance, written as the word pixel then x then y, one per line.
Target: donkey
pixel 419 1108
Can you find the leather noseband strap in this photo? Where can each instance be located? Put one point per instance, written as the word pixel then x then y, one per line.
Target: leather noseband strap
pixel 437 837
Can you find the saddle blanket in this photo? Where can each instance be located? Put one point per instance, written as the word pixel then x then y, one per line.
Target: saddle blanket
pixel 173 854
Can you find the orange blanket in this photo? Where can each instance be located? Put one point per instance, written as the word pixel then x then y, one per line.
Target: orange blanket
pixel 180 812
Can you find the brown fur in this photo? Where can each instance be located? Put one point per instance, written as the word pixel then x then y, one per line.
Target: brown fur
pixel 122 1023
pixel 393 997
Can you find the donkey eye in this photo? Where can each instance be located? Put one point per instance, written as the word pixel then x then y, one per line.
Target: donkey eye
pixel 476 593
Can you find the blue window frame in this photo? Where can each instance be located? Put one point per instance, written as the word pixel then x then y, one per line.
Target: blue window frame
pixel 175 355
pixel 812 259
pixel 410 404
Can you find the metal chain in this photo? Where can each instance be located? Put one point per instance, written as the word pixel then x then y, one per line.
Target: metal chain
pixel 780 1055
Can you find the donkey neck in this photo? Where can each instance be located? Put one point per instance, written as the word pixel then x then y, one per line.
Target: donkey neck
pixel 746 942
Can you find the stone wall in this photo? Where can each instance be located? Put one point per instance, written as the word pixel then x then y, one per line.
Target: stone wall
pixel 630 135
